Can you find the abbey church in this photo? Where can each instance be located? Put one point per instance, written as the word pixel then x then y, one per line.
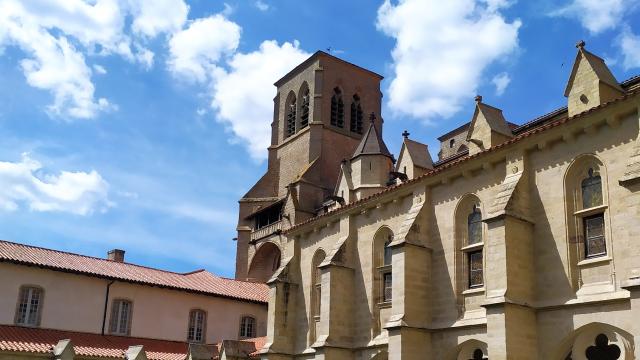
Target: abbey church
pixel 516 241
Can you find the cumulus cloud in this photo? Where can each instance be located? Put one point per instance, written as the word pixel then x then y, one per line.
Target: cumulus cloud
pixel 595 15
pixel 629 44
pixel 57 35
pixel 501 81
pixel 243 93
pixel 441 51
pixel 25 183
pixel 196 50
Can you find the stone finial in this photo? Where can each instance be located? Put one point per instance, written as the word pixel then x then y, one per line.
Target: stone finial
pixel 63 350
pixel 580 44
pixel 478 98
pixel 135 352
pixel 405 134
pixel 372 117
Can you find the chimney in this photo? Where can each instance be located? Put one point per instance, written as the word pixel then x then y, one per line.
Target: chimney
pixel 116 255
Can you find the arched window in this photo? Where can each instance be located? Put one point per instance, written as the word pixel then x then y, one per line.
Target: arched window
pixel 291 115
pixel 304 109
pixel 316 293
pixel 387 278
pixel 593 225
pixel 248 327
pixel 474 257
pixel 120 317
pixel 337 108
pixel 28 312
pixel 197 326
pixel 356 115
pixel 469 258
pixel 474 226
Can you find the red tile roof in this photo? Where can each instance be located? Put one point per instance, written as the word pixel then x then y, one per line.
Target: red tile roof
pixel 42 341
pixel 258 343
pixel 200 281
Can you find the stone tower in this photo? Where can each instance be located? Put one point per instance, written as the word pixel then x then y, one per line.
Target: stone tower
pixel 319 118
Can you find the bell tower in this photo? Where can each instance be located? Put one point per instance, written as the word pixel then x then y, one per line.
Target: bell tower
pixel 317 122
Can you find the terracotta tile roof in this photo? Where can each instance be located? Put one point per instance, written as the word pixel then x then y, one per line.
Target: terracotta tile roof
pixel 465 157
pixel 42 341
pixel 199 281
pixel 258 344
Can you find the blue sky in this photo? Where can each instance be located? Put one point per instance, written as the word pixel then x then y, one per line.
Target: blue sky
pixel 138 125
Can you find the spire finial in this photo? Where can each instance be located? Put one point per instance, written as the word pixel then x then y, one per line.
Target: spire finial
pixel 405 134
pixel 372 117
pixel 580 44
pixel 478 98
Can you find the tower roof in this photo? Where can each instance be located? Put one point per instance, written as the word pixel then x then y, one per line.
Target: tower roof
pixel 372 144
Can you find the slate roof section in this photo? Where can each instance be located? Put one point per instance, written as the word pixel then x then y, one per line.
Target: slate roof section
pixel 41 341
pixel 419 153
pixel 199 281
pixel 371 144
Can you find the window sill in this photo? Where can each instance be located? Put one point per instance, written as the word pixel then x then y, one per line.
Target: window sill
pixel 590 211
pixel 384 268
pixel 384 305
pixel 472 247
pixel 473 291
pixel 316 318
pixel 594 260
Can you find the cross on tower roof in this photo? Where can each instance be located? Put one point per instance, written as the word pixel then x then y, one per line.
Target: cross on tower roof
pixel 406 134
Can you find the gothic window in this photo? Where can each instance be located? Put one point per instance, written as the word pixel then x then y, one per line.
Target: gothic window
pixel 248 327
pixel 384 269
pixel 291 115
pixel 475 269
pixel 304 109
pixel 356 115
pixel 316 292
pixel 197 326
pixel 337 108
pixel 591 190
pixel 120 317
pixel 474 221
pixel 602 350
pixel 29 306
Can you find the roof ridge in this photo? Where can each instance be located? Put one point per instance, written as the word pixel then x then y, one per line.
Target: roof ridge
pixel 89 257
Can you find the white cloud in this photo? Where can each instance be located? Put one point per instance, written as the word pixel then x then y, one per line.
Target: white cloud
pixel 99 69
pixel 158 16
pixel 501 81
pixel 243 94
pixel 196 50
pixel 25 183
pixel 629 44
pixel 57 35
pixel 441 50
pixel 261 5
pixel 595 15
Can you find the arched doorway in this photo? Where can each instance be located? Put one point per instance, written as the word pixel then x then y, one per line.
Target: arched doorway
pixel 264 263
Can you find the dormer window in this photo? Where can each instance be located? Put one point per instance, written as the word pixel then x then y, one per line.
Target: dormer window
pixel 452 143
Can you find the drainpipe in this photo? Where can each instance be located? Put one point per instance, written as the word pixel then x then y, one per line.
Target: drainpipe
pixel 106 302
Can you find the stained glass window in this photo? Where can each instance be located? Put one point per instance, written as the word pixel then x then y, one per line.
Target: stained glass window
pixel 28 312
pixel 387 285
pixel 474 222
pixel 475 269
pixel 591 190
pixel 594 241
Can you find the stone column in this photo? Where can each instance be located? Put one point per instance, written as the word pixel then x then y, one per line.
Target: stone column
pixel 411 274
pixel 633 285
pixel 281 316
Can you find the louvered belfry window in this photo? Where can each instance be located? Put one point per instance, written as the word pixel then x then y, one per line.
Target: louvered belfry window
pixel 291 117
pixel 356 115
pixel 304 109
pixel 337 108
